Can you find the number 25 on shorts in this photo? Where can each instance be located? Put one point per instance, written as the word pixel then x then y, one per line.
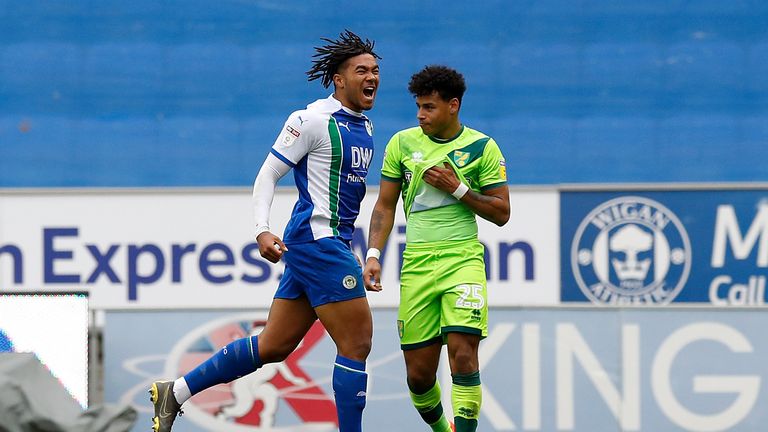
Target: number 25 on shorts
pixel 471 297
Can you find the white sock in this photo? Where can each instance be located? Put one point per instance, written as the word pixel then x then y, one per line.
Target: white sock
pixel 181 390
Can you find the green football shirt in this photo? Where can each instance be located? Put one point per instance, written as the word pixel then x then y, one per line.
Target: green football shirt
pixel 434 215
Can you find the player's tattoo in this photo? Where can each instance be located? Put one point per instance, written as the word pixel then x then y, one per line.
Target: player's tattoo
pixel 377 226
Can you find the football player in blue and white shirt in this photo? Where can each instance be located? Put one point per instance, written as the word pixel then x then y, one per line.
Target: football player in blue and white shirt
pixel 329 146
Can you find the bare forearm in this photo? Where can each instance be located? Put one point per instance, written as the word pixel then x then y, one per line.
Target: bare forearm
pixel 488 207
pixel 382 221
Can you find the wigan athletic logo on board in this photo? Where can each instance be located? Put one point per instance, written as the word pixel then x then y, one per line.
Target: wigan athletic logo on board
pixel 631 251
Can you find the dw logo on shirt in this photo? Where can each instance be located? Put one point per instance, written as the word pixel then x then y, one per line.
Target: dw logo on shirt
pixel 361 157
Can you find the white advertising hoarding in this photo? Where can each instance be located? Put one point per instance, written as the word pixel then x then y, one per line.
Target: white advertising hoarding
pixel 55 329
pixel 195 248
pixel 542 369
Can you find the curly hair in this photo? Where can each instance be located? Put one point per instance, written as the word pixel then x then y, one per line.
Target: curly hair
pixel 447 82
pixel 331 56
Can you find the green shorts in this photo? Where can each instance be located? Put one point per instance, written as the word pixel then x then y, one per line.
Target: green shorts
pixel 442 290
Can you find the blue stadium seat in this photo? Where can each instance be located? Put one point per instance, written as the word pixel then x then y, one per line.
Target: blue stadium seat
pixel 191 93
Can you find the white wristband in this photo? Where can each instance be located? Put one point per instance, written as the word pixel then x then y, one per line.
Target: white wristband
pixel 460 191
pixel 373 253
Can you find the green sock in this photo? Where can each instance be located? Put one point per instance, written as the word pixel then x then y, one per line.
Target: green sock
pixel 431 409
pixel 467 396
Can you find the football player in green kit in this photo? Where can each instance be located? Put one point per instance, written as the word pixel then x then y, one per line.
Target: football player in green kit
pixel 447 173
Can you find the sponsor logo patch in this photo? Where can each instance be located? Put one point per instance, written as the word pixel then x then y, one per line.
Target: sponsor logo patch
pixel 293 131
pixel 289 136
pixel 503 170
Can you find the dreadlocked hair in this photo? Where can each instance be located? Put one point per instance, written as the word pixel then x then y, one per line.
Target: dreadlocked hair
pixel 331 56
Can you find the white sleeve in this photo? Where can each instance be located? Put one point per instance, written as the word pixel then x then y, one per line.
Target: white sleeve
pixel 295 139
pixel 271 171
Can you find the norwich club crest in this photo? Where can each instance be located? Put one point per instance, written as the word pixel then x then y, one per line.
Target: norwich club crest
pixel 631 250
pixel 460 158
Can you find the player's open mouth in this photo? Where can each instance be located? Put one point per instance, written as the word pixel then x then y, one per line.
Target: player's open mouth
pixel 369 91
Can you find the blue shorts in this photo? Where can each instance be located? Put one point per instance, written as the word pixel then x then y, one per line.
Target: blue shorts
pixel 325 270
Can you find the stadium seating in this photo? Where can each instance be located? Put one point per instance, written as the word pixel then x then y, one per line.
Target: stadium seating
pixel 168 94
